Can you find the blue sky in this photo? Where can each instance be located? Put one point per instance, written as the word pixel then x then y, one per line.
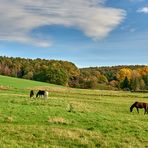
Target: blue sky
pixel 85 32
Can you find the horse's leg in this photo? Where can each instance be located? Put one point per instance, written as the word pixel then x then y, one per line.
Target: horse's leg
pixel 137 110
pixel 145 111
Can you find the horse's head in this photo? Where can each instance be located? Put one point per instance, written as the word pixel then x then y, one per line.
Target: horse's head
pixel 131 108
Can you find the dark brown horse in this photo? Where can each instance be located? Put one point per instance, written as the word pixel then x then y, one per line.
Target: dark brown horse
pixel 140 105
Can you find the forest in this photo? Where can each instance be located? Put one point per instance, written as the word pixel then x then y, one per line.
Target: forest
pixel 122 77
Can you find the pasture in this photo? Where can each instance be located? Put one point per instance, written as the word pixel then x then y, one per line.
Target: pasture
pixel 69 117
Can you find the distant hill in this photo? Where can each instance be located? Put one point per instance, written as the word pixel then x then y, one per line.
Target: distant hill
pixel 130 77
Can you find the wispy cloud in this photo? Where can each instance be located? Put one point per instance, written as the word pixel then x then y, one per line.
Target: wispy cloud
pixel 143 10
pixel 19 17
pixel 128 28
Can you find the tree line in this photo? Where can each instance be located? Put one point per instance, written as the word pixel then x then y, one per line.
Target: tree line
pixel 133 77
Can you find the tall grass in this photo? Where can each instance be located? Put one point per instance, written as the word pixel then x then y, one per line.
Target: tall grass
pixel 70 117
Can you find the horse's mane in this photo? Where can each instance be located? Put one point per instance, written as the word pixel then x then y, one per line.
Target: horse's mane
pixel 133 105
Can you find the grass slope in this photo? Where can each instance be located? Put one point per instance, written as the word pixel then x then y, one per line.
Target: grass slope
pixel 20 83
pixel 69 118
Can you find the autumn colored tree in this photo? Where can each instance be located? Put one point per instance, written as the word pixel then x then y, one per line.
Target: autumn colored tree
pixel 136 81
pixel 124 72
pixel 143 71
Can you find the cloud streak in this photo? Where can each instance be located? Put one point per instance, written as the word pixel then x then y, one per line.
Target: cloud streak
pixel 143 10
pixel 19 17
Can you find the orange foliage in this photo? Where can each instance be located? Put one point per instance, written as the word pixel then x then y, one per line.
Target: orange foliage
pixel 143 71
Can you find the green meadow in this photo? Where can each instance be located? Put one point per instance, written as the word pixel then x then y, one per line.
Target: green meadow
pixel 69 117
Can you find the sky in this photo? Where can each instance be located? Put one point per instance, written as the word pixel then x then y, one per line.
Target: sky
pixel 86 32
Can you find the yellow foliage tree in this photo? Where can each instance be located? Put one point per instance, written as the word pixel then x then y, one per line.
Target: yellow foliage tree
pixel 124 72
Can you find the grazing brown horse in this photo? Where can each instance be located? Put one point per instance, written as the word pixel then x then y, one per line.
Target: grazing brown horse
pixel 140 105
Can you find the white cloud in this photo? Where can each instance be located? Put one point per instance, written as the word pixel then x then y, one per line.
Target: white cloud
pixel 19 17
pixel 143 10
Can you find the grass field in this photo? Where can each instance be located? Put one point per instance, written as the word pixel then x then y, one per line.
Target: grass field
pixel 69 118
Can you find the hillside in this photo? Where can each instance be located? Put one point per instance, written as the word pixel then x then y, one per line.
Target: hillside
pixel 65 73
pixel 69 118
pixel 19 83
